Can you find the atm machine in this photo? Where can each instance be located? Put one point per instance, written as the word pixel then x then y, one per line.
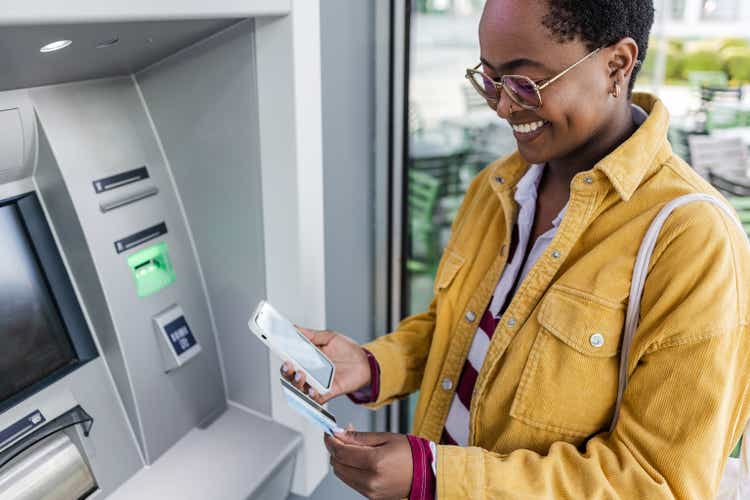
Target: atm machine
pixel 139 149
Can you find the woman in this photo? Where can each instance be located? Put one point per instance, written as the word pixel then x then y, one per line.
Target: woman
pixel 516 359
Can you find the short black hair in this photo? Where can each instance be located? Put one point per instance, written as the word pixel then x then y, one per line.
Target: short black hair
pixel 601 23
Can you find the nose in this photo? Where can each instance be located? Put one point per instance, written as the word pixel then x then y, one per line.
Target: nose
pixel 504 105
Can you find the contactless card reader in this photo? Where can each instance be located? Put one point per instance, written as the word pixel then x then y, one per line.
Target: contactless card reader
pixel 177 343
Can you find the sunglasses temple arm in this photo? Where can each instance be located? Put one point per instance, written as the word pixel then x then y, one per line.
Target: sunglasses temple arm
pixel 565 71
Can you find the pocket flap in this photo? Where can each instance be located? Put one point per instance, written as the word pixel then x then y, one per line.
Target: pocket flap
pixel 586 324
pixel 449 267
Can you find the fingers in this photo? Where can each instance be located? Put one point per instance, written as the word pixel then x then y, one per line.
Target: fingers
pixel 357 438
pixel 295 377
pixel 317 397
pixel 287 373
pixel 321 398
pixel 317 337
pixel 298 379
pixel 361 481
pixel 352 455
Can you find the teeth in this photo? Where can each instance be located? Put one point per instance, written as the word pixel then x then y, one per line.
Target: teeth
pixel 526 128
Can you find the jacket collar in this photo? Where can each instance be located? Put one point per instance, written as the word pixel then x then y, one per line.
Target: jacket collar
pixel 626 167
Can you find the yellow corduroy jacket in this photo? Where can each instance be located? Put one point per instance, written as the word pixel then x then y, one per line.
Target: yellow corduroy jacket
pixel 545 395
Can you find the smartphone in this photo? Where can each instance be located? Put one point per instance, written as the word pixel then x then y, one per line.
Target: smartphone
pixel 280 335
pixel 309 408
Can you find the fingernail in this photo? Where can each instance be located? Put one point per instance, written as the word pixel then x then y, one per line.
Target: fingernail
pixel 284 368
pixel 297 376
pixel 311 392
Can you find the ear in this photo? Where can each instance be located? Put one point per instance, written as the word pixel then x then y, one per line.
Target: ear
pixel 622 60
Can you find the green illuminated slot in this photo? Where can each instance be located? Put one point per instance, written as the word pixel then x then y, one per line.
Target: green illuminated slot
pixel 141 266
pixel 152 269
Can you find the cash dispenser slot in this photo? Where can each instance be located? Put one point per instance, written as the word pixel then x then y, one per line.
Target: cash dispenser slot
pixel 27 423
pixel 47 463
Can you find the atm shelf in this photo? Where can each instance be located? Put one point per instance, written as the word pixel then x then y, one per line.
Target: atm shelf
pixel 239 456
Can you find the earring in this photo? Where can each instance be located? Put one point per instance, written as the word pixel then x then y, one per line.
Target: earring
pixel 615 91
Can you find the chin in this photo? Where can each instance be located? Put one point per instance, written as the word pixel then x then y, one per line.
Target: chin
pixel 533 155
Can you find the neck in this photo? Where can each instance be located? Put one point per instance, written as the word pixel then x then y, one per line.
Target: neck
pixel 617 131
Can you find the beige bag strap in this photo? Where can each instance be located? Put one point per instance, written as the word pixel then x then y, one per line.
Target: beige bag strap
pixel 640 270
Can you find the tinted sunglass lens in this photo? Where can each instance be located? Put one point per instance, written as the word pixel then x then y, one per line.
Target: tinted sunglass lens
pixel 523 89
pixel 484 86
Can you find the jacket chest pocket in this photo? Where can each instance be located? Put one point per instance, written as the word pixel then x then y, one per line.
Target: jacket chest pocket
pixel 569 382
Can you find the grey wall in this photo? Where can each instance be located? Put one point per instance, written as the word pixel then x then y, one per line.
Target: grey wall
pixel 348 79
pixel 205 111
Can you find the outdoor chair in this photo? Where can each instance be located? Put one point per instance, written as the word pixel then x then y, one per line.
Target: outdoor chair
pixel 422 200
pixel 714 154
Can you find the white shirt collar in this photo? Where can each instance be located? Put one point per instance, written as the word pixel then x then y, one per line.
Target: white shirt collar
pixel 527 189
pixel 528 186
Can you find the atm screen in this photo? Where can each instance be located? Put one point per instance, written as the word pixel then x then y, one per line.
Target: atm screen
pixel 33 339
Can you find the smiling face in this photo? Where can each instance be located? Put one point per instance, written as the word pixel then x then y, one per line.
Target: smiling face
pixel 575 109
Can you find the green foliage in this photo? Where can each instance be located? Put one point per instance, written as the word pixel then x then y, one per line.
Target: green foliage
pixel 730 56
pixel 675 60
pixel 676 44
pixel 733 42
pixel 675 63
pixel 701 60
pixel 737 63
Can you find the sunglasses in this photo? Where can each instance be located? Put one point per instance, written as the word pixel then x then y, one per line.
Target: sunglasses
pixel 521 89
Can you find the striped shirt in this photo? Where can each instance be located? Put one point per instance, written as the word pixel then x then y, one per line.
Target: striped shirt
pixel 456 431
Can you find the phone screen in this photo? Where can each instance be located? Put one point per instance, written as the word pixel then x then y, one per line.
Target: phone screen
pixel 285 337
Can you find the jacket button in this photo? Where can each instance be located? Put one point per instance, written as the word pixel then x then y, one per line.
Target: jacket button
pixel 447 384
pixel 470 316
pixel 597 340
pixel 499 180
pixel 588 179
pixel 512 322
pixel 556 254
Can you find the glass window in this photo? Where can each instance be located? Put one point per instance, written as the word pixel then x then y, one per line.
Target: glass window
pixel 678 9
pixel 720 10
pixel 453 134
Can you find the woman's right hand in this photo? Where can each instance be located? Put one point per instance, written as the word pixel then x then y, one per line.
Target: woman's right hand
pixel 352 367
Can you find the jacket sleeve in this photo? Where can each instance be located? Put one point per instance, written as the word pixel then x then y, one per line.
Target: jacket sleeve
pixel 685 404
pixel 402 354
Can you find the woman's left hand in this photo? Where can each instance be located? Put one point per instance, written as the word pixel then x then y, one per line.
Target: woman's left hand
pixel 376 464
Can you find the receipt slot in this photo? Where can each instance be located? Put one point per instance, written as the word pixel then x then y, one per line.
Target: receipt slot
pixel 176 341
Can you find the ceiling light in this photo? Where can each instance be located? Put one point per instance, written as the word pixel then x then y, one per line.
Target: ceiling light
pixel 51 47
